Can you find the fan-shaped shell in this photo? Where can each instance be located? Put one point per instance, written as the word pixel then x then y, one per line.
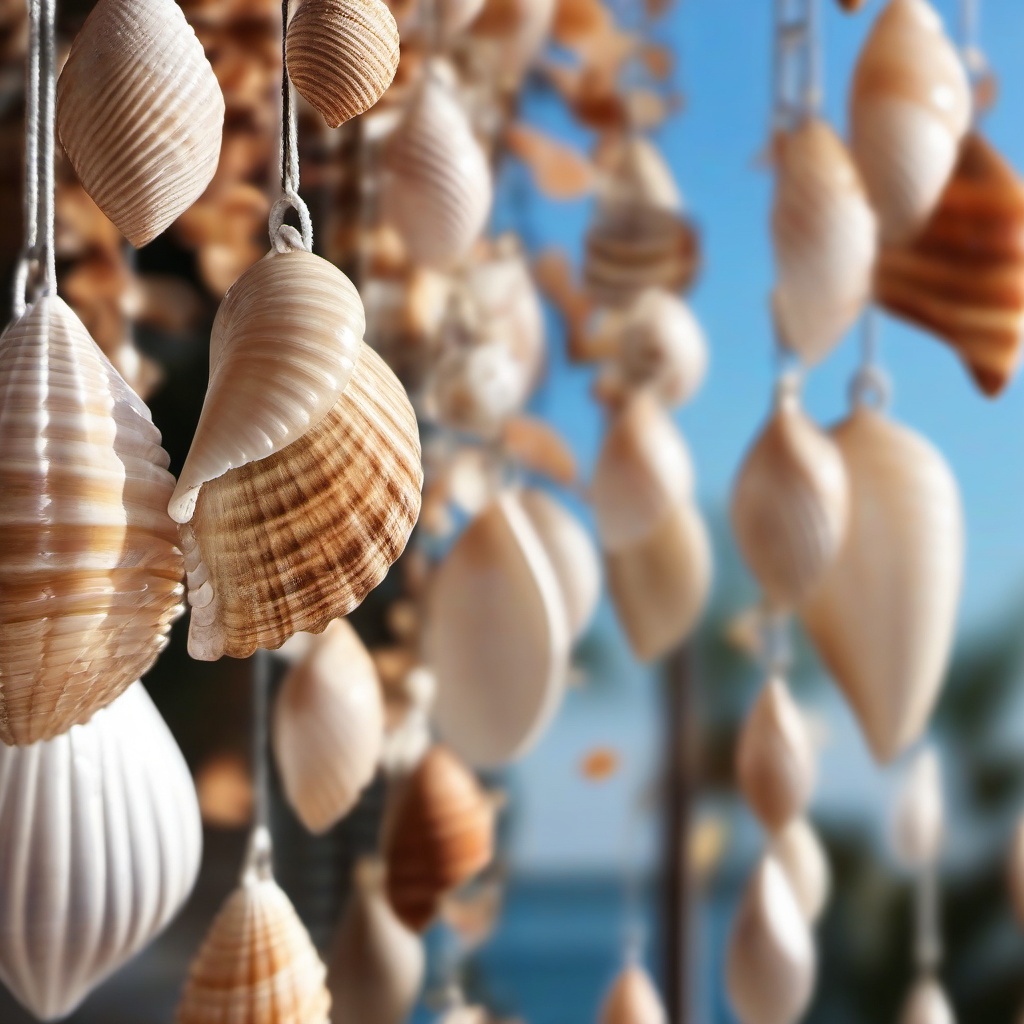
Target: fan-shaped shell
pixel 799 852
pixel 919 819
pixel 100 843
pixel 90 565
pixel 633 999
pixel 140 114
pixel 825 238
pixel 927 1004
pixel 910 107
pixel 1016 872
pixel 328 727
pixel 884 616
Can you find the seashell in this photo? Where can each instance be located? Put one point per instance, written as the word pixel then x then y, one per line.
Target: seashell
pixel 519 29
pixel 851 6
pixel 466 1015
pixel 884 616
pixel 801 856
pixel 633 999
pixel 775 761
pixel 919 819
pixel 497 637
pixel 439 835
pixel 825 240
pixel 90 564
pixel 962 277
pixel 771 960
pixel 540 449
pixel 100 844
pixel 377 965
pixel 342 55
pixel 454 16
pixel 910 107
pixel 927 1004
pixel 790 503
pixel 328 727
pixel 558 170
pixel 140 114
pixel 1016 872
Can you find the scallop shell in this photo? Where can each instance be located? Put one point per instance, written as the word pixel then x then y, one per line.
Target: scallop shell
pixel 633 999
pixel 377 965
pixel 927 1004
pixel 825 239
pixel 910 107
pixel 100 844
pixel 919 818
pixel 140 114
pixel 328 727
pixel 1016 872
pixel 801 856
pixel 497 638
pixel 440 833
pixel 883 619
pixel 90 565
pixel 771 964
pixel 342 55
pixel 790 504
pixel 962 278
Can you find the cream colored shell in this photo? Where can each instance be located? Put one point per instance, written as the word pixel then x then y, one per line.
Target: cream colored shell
pixel 801 856
pixel 927 1003
pixel 919 817
pixel 633 999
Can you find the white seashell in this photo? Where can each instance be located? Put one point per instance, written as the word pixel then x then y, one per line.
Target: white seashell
pixel 918 815
pixel 799 852
pixel 455 15
pixel 633 999
pixel 100 843
pixel 927 1004
pixel 519 29
pixel 1016 872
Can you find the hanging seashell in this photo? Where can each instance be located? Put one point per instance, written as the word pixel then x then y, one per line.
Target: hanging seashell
pixel 851 6
pixel 439 835
pixel 633 999
pixel 453 16
pixel 377 965
pixel 497 638
pixel 328 728
pixel 538 447
pixel 824 233
pixel 518 29
pixel 771 960
pixel 342 55
pixel 801 856
pixel 927 1004
pixel 1016 872
pixel 910 107
pixel 90 564
pixel 100 843
pixel 790 503
pixel 884 616
pixel 962 277
pixel 918 819
pixel 140 114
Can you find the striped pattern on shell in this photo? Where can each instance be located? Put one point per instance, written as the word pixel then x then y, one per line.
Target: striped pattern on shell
pixel 90 568
pixel 140 114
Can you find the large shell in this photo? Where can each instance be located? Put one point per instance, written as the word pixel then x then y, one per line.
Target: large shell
pixel 498 637
pixel 633 999
pixel 140 114
pixel 100 843
pixel 440 834
pixel 962 278
pixel 883 618
pixel 910 107
pixel 328 727
pixel 1015 870
pixel 919 818
pixel 799 852
pixel 927 1004
pixel 90 565
pixel 824 232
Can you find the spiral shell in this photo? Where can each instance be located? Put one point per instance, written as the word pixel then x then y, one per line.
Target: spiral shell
pixel 799 852
pixel 927 1003
pixel 633 999
pixel 919 817
pixel 140 114
pixel 90 565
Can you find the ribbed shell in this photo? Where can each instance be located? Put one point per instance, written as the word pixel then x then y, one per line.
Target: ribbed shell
pixel 342 55
pixel 919 816
pixel 799 852
pixel 100 843
pixel 883 618
pixel 633 999
pixel 140 114
pixel 89 560
pixel 927 1003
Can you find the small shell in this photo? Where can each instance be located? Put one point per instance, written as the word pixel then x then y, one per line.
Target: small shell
pixel 1016 872
pixel 927 1004
pixel 519 29
pixel 140 114
pixel 455 15
pixel 538 447
pixel 329 727
pixel 633 999
pixel 799 852
pixel 919 819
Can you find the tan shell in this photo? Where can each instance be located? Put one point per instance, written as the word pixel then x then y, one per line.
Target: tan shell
pixel 633 999
pixel 140 114
pixel 927 1003
pixel 825 239
pixel 910 107
pixel 440 834
pixel 328 727
pixel 90 565
pixel 919 816
pixel 799 852
pixel 455 15
pixel 518 29
pixel 883 618
pixel 1016 872
pixel 342 55
pixel 790 503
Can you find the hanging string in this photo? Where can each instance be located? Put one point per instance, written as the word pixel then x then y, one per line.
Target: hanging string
pixel 870 385
pixel 978 71
pixel 258 860
pixel 928 944
pixel 797 63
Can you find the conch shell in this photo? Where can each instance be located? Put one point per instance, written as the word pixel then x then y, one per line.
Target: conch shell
pixel 633 999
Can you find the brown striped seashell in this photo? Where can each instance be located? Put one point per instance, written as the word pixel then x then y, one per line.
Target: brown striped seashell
pixel 342 55
pixel 927 1003
pixel 90 564
pixel 1015 872
pixel 790 503
pixel 140 114
pixel 825 240
pixel 883 618
pixel 962 277
pixel 440 834
pixel 910 106
pixel 633 999
pixel 801 856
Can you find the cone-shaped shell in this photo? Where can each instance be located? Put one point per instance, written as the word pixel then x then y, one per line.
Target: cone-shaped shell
pixel 100 843
pixel 328 727
pixel 90 565
pixel 140 114
pixel 440 834
pixel 962 278
pixel 633 999
pixel 825 238
pixel 910 107
pixel 927 1004
pixel 1016 872
pixel 799 852
pixel 342 55
pixel 884 616
pixel 919 819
